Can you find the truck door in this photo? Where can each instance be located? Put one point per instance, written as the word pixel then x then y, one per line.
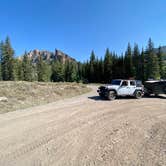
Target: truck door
pixel 124 88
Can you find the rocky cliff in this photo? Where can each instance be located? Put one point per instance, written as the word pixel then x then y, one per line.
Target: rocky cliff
pixel 49 56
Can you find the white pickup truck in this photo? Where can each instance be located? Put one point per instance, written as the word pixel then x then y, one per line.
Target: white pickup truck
pixel 120 87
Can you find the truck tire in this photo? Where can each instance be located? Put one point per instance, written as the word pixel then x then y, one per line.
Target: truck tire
pixel 111 95
pixel 138 94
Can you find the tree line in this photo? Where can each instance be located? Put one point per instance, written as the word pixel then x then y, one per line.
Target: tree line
pixel 149 63
pixel 134 63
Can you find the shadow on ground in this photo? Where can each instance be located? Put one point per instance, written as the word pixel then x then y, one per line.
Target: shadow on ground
pixel 153 97
pixel 98 98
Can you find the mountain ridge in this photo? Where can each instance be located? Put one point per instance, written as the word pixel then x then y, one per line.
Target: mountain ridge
pixel 49 56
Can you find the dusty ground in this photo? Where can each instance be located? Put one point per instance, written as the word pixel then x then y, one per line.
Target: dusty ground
pixel 86 131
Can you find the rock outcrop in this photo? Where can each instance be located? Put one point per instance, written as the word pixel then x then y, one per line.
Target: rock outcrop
pixel 49 56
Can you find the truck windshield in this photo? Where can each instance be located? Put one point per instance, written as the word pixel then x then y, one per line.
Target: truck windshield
pixel 115 82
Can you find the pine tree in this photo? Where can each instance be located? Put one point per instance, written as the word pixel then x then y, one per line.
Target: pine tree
pixel 148 59
pixel 40 69
pixel 107 66
pixel 74 75
pixel 17 70
pixel 79 71
pixel 117 67
pixel 71 72
pixel 57 72
pixel 43 70
pixel 128 62
pixel 85 72
pixel 26 68
pixel 161 62
pixel 34 72
pixel 101 70
pixel 152 64
pixel 20 70
pixel 137 62
pixel 121 67
pixel 1 45
pixel 1 57
pixel 92 67
pixel 155 73
pixel 164 71
pixel 7 60
pixel 98 70
pixel 142 66
pixel 67 71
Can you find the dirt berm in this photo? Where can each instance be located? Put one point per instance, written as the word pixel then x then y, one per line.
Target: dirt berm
pixel 87 131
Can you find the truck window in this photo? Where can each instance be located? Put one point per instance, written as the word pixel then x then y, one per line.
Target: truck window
pixel 132 83
pixel 139 84
pixel 125 83
pixel 116 82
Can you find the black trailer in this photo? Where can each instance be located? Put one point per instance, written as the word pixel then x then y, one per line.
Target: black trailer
pixel 155 87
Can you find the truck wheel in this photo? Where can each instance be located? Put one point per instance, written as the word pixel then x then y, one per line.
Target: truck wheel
pixel 111 95
pixel 138 94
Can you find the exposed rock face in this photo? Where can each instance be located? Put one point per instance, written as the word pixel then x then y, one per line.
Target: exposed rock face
pixel 63 57
pixel 49 56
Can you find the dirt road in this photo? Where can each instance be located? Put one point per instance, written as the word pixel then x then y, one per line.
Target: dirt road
pixel 86 131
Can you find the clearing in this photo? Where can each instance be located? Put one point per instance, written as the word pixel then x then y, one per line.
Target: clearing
pixel 85 130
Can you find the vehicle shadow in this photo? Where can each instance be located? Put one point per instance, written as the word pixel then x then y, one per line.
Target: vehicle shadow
pixel 98 98
pixel 153 97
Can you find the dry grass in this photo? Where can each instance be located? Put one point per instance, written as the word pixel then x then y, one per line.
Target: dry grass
pixel 27 94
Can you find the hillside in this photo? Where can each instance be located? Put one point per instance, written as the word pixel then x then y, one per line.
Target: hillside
pixel 20 95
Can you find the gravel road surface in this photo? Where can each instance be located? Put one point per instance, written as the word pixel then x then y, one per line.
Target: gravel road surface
pixel 86 131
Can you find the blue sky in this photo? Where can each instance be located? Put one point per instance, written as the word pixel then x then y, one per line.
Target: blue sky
pixel 78 26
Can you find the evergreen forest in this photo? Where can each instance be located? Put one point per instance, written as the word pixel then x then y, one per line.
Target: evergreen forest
pixel 134 63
